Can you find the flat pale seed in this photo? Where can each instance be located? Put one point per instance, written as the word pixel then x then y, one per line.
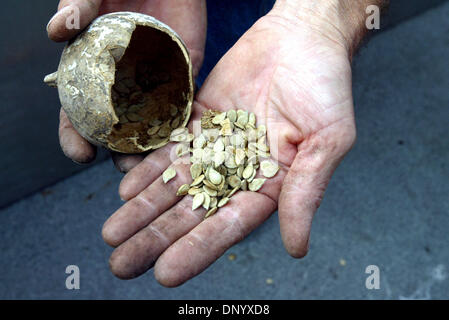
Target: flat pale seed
pixel 193 191
pixel 133 117
pixel 211 212
pixel 232 115
pixel 178 138
pixel 236 140
pixel 261 145
pixel 121 88
pixel 182 149
pixel 214 176
pixel 242 119
pixel 238 125
pixel 221 193
pixel 230 162
pixel 219 118
pixel 153 130
pixel 252 176
pixel 123 119
pixel 244 185
pixel 195 170
pixel 155 122
pixel 223 202
pixel 208 156
pixel 239 156
pixel 206 203
pixel 119 111
pixel 240 171
pixel 233 191
pixel 256 184
pixel 198 200
pixel 261 131
pixel 168 174
pixel 252 119
pixel 234 181
pixel 249 126
pixel 197 154
pixel 226 128
pixel 165 130
pixel 219 158
pixel 210 191
pixel 269 169
pixel 262 154
pixel 213 202
pixel 183 190
pixel 190 137
pixel 173 110
pixel 179 131
pixel 252 146
pixel 248 171
pixel 199 142
pixel 134 108
pixel 252 159
pixel 227 192
pixel 251 135
pixel 210 185
pixel 197 181
pixel 222 184
pixel 219 146
pixel 176 122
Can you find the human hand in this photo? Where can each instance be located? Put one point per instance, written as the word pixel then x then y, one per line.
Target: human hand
pixel 187 17
pixel 295 75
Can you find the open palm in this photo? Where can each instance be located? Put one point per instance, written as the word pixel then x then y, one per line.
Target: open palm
pixel 298 83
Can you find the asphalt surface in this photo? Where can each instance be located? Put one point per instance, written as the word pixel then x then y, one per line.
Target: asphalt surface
pixel 387 204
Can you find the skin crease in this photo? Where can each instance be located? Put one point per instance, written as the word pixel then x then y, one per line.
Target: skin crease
pixel 295 75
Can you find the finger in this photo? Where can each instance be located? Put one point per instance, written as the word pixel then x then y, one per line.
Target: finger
pixel 73 145
pixel 146 206
pixel 63 25
pixel 305 183
pixel 188 18
pixel 153 165
pixel 125 162
pixel 138 254
pixel 198 249
pixel 191 13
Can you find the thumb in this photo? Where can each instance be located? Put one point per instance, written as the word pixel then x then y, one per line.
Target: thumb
pixel 72 17
pixel 303 187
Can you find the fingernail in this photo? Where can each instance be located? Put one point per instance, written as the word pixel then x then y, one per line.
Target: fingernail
pixel 69 7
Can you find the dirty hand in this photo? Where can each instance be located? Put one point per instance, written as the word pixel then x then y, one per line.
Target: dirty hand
pixel 187 17
pixel 295 75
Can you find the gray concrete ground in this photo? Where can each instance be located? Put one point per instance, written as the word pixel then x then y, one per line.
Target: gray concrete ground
pixel 387 204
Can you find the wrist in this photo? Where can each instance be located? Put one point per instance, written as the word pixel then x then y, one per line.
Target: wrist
pixel 342 21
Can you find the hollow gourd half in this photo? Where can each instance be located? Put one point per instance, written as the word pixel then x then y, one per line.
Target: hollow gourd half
pixel 125 82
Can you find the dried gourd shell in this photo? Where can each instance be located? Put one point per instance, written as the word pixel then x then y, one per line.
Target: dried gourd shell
pixel 118 55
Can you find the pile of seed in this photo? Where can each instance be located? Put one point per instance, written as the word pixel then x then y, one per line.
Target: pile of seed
pixel 133 103
pixel 225 158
